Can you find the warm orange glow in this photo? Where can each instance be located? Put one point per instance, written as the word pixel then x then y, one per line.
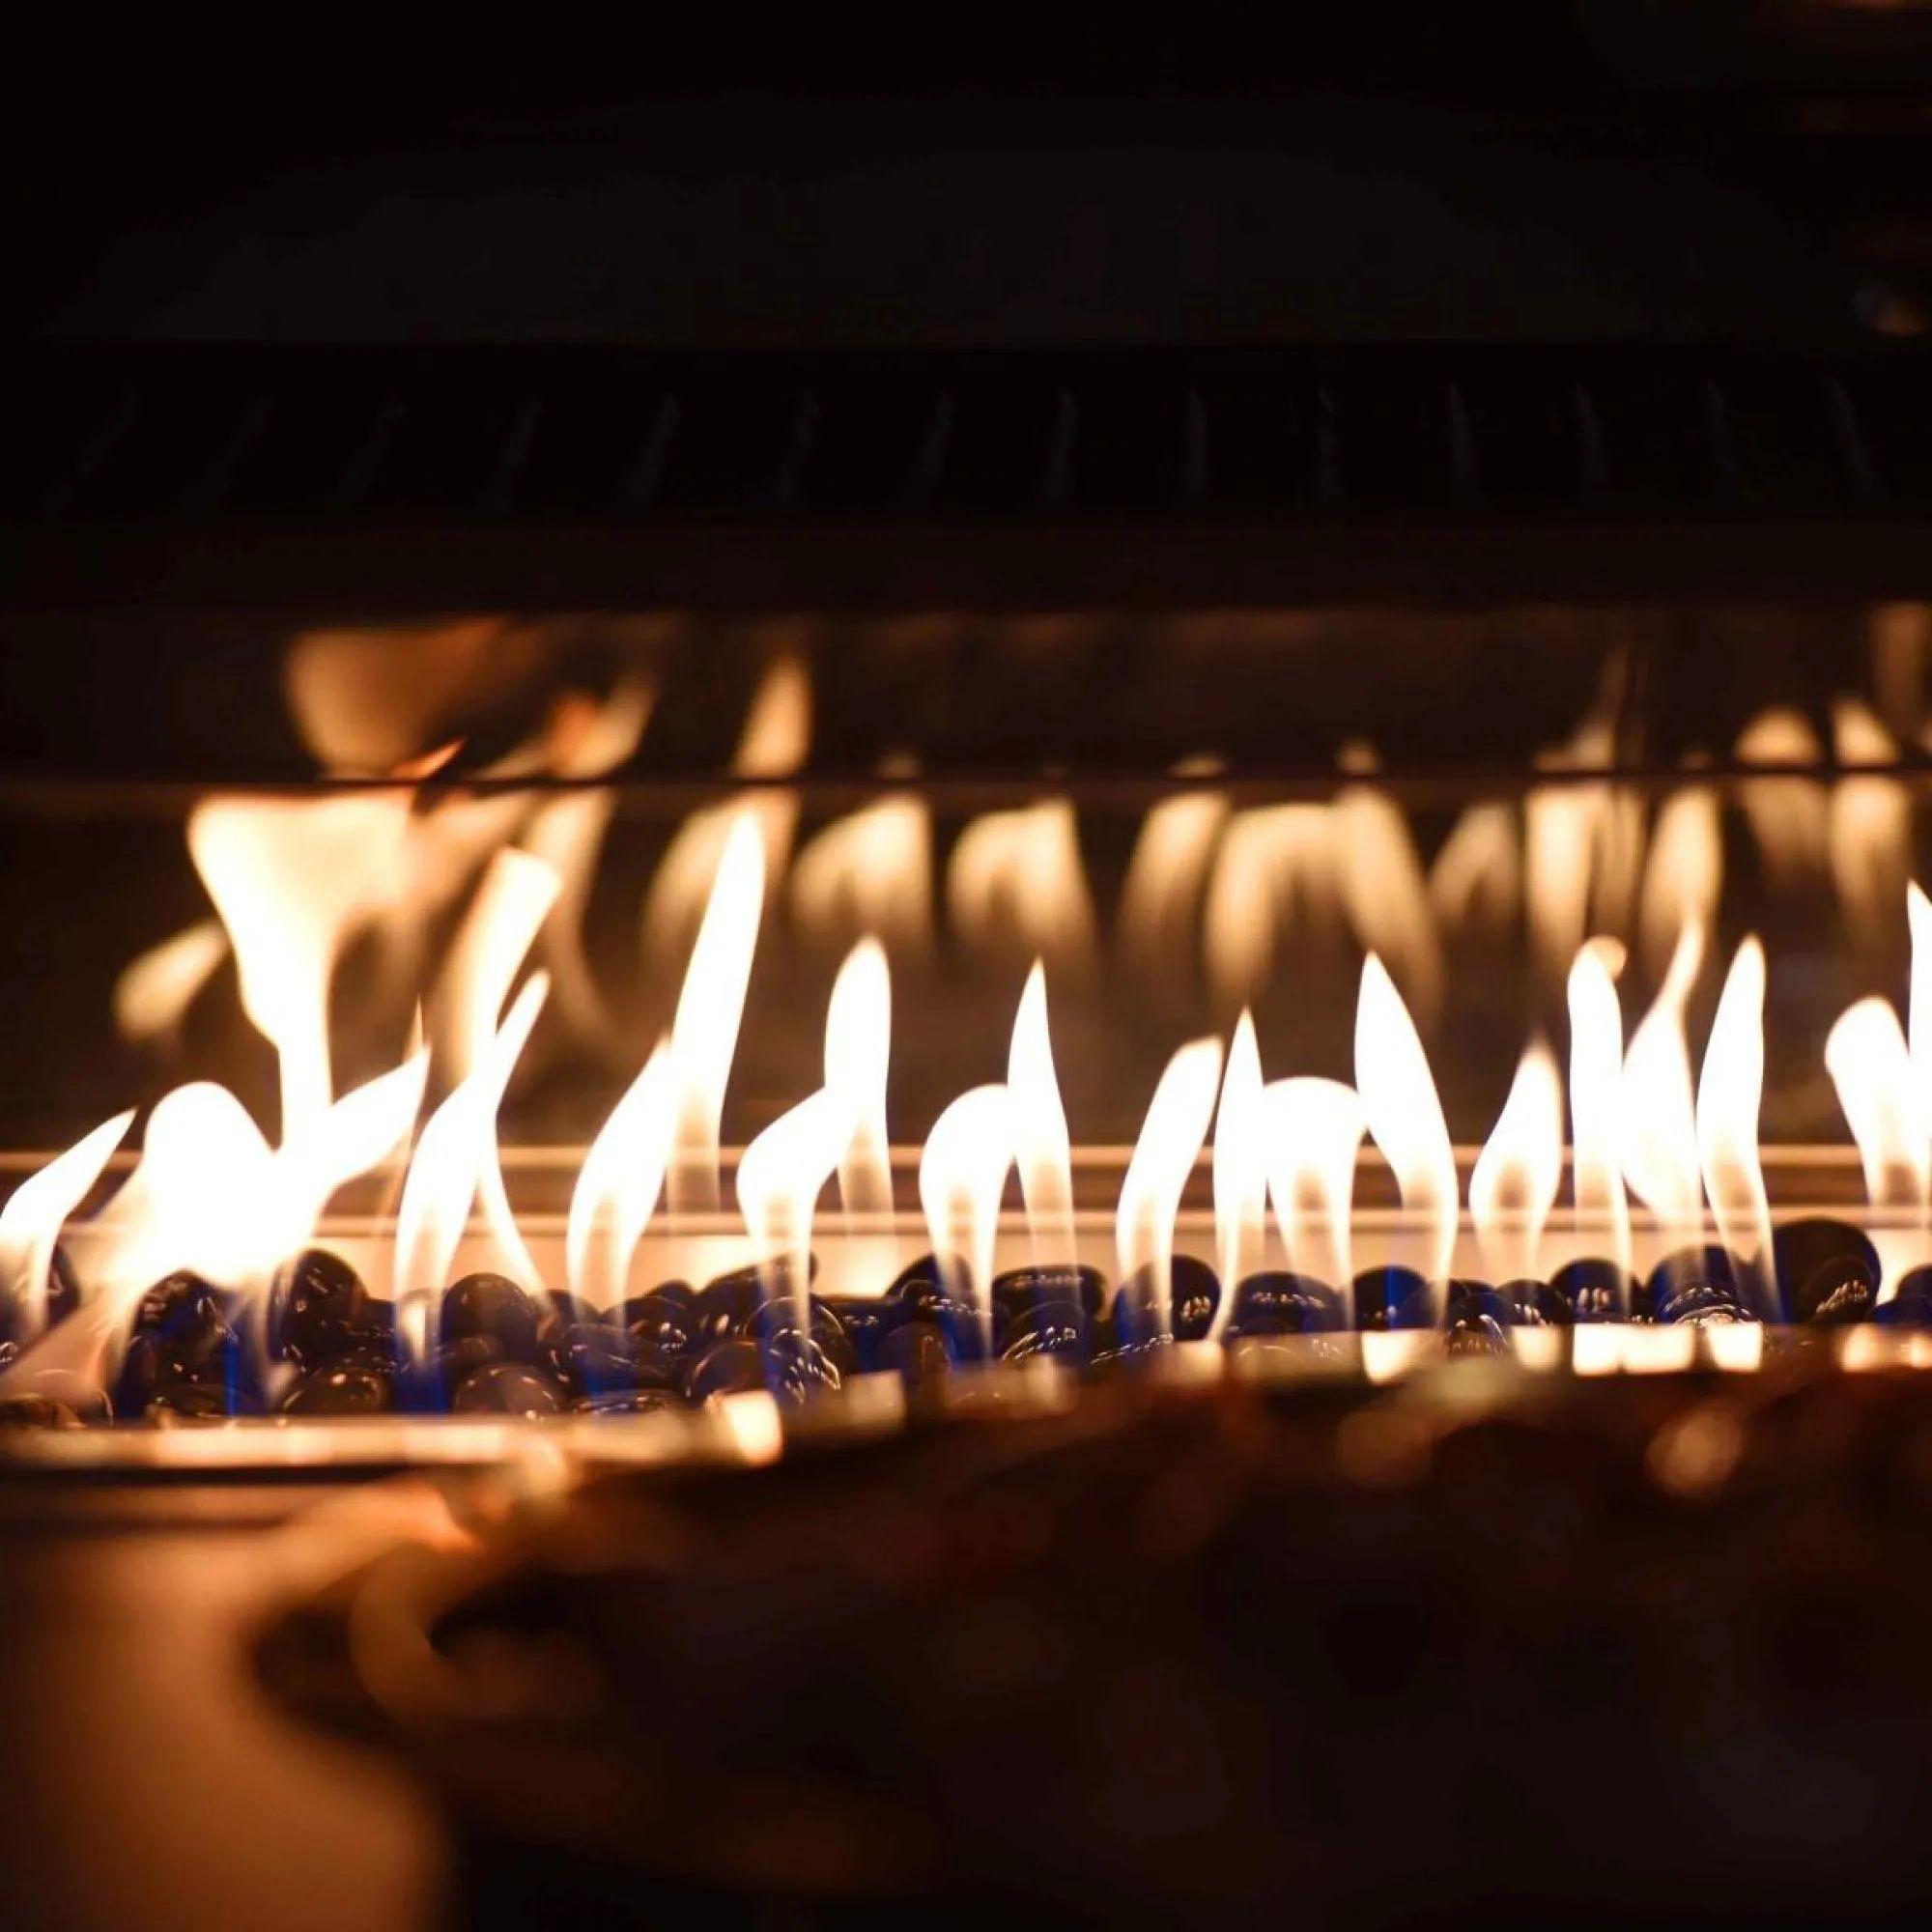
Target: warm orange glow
pixel 1041 1147
pixel 1596 1116
pixel 31 1222
pixel 1241 1143
pixel 456 1146
pixel 1016 886
pixel 1871 1068
pixel 1171 1136
pixel 1165 878
pixel 962 1174
pixel 1685 874
pixel 858 1058
pixel 289 877
pixel 1405 1116
pixel 1274 867
pixel 710 1007
pixel 1918 1006
pixel 1513 1186
pixel 618 1184
pixel 358 1132
pixel 1582 848
pixel 1314 1130
pixel 1729 1091
pixel 1659 1133
pixel 156 988
pixel 1476 882
pixel 1869 827
pixel 869 872
pixel 1384 893
pixel 779 1176
pixel 1787 815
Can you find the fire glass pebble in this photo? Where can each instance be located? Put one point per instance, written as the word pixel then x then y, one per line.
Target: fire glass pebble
pixel 1276 1301
pixel 721 1308
pixel 728 1368
pixel 628 1401
pixel 661 1320
pixel 1593 1290
pixel 493 1307
pixel 771 1319
pixel 507 1388
pixel 1194 1293
pixel 320 1309
pixel 1826 1270
pixel 1909 1304
pixel 1476 1317
pixel 35 1411
pixel 924 1291
pixel 1057 1328
pixel 1391 1297
pixel 918 1352
pixel 866 1320
pixel 342 1387
pixel 1061 1281
pixel 598 1359
pixel 1704 1285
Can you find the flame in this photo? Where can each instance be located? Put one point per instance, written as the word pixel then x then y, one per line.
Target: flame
pixel 1869 827
pixel 1171 1136
pixel 1403 1114
pixel 1041 1148
pixel 1685 875
pixel 1275 866
pixel 156 990
pixel 1659 1132
pixel 357 1133
pixel 962 1174
pixel 1788 816
pixel 1513 1186
pixel 1165 877
pixel 1016 881
pixel 1919 1007
pixel 1241 1142
pixel 1729 1090
pixel 869 872
pixel 1595 1069
pixel 1583 847
pixel 567 833
pixel 1384 891
pixel 1871 1067
pixel 205 1196
pixel 289 877
pixel 780 1176
pixel 1476 881
pixel 618 1184
pixel 710 1006
pixel 772 744
pixel 858 1057
pixel 31 1222
pixel 1314 1129
pixel 456 1146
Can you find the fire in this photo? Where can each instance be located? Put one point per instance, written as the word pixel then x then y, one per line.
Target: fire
pixel 1728 1095
pixel 1385 890
pixel 1017 885
pixel 456 1146
pixel 1871 1068
pixel 289 877
pixel 710 1006
pixel 1274 865
pixel 1595 1117
pixel 1685 875
pixel 1405 1116
pixel 780 1176
pixel 357 1133
pixel 1476 882
pixel 1315 1130
pixel 1171 1136
pixel 1584 845
pixel 1788 816
pixel 619 1186
pixel 1165 877
pixel 869 872
pixel 1241 1143
pixel 1041 1148
pixel 36 1211
pixel 156 990
pixel 1870 826
pixel 1918 1009
pixel 962 1174
pixel 1659 1131
pixel 772 744
pixel 1514 1184
pixel 858 1057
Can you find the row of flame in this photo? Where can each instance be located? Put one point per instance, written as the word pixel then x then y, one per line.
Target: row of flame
pixel 211 1193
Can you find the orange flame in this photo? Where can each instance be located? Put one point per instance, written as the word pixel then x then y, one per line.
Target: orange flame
pixel 1658 1134
pixel 1513 1186
pixel 1315 1130
pixel 1041 1147
pixel 38 1208
pixel 618 1184
pixel 1729 1091
pixel 1595 1107
pixel 1405 1116
pixel 1016 883
pixel 869 872
pixel 154 989
pixel 1871 1068
pixel 710 1007
pixel 962 1174
pixel 1171 1136
pixel 858 1058
pixel 1166 877
pixel 779 1176
pixel 1685 876
pixel 1869 827
pixel 1241 1141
